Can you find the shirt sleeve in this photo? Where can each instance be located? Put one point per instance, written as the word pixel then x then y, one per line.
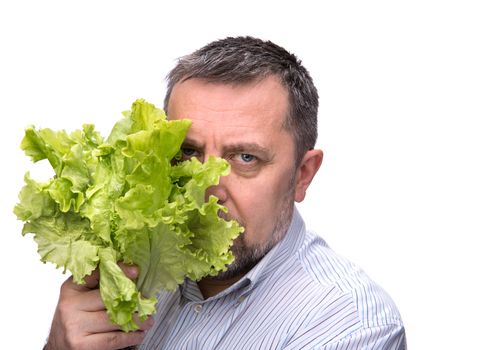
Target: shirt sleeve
pixel 386 337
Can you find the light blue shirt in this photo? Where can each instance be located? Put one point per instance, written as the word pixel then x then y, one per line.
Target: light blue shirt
pixel 301 295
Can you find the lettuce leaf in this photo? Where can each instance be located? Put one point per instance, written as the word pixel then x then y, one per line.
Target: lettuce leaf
pixel 126 198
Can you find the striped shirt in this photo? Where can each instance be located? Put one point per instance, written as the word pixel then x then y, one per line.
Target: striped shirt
pixel 301 295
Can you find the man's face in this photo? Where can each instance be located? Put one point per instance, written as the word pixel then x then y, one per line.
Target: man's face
pixel 244 125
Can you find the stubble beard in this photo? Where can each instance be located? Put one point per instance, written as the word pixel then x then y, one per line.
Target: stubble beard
pixel 247 256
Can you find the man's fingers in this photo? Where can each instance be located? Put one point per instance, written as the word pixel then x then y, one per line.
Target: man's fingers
pixel 92 281
pixel 69 288
pixel 90 301
pixel 81 320
pixel 114 340
pixel 130 270
pixel 99 322
pixel 145 325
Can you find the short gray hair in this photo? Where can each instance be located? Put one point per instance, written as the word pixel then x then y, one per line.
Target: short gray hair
pixel 246 59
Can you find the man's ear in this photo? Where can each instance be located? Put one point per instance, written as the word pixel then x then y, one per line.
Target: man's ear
pixel 305 172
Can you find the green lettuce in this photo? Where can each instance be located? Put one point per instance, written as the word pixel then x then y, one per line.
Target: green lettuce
pixel 127 198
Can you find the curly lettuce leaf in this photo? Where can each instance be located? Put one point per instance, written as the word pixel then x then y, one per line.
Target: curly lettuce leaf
pixel 123 199
pixel 119 293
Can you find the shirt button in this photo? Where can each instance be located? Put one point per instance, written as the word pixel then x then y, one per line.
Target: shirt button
pixel 198 308
pixel 241 299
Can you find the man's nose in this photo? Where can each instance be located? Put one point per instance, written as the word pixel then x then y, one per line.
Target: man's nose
pixel 219 191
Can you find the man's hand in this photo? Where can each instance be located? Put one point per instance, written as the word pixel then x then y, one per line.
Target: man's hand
pixel 81 322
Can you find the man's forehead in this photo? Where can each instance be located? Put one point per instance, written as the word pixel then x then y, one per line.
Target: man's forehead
pixel 265 88
pixel 223 115
pixel 202 132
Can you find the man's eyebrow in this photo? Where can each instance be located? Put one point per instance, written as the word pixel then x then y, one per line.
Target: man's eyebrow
pixel 188 142
pixel 232 147
pixel 246 147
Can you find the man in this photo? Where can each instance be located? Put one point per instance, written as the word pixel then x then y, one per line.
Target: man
pixel 254 104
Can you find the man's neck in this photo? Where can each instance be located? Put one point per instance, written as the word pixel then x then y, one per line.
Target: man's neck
pixel 211 286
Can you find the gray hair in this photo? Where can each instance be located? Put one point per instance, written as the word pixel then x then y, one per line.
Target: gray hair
pixel 236 60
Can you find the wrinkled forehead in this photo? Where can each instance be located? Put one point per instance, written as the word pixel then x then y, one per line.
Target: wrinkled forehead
pixel 254 111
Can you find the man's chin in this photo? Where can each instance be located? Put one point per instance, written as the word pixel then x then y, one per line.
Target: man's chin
pixel 246 258
pixel 247 255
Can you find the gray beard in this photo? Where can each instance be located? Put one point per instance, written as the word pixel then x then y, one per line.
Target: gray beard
pixel 247 256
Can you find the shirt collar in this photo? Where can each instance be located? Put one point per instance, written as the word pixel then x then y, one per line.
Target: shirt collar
pixel 274 259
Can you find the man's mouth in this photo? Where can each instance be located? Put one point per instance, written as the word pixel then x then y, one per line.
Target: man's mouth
pixel 226 216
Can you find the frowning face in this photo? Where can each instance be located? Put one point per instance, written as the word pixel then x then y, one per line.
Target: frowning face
pixel 243 124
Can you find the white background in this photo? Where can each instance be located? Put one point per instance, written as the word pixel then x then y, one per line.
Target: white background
pixel 402 191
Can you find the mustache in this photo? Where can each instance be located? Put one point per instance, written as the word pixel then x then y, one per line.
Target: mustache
pixel 228 217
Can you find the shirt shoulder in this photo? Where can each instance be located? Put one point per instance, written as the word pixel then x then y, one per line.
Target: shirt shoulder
pixel 369 309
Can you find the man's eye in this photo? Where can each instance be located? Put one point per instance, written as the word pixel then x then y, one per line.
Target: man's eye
pixel 188 152
pixel 247 158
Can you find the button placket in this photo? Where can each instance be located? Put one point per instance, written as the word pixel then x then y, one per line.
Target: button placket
pixel 198 308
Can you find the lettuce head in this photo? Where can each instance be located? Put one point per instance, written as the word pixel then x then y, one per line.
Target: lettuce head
pixel 126 198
